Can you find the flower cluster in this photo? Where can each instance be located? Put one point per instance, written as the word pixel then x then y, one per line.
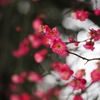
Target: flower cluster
pixel 80 15
pixel 89 45
pixel 63 69
pixel 41 41
pixel 78 82
pixel 30 76
pixel 94 34
pixel 53 40
pixel 35 41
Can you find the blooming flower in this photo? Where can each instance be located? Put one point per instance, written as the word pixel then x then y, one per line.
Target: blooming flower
pixel 65 74
pixel 52 34
pixel 89 45
pixel 58 46
pixel 78 84
pixel 80 15
pixel 95 75
pixel 63 66
pixel 95 34
pixel 80 73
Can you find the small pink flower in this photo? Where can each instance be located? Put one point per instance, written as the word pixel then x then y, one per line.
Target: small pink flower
pixel 36 44
pixel 46 41
pixel 95 75
pixel 89 45
pixel 63 66
pixel 14 97
pixel 71 39
pixel 38 57
pixel 77 97
pixel 80 73
pixel 52 34
pixel 58 46
pixel 21 51
pixel 44 28
pixel 80 15
pixel 34 77
pixel 36 24
pixel 17 79
pixel 97 12
pixel 65 74
pixel 95 34
pixel 78 84
pixel 76 43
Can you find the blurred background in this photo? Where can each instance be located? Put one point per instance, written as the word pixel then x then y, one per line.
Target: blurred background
pixel 16 22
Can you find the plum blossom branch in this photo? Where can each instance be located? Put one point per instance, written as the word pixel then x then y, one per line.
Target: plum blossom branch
pixel 83 57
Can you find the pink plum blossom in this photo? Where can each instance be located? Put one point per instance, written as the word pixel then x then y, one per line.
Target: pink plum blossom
pixel 36 23
pixel 52 34
pixel 89 45
pixel 77 97
pixel 17 79
pixel 80 73
pixel 65 74
pixel 95 75
pixel 58 46
pixel 80 15
pixel 78 84
pixel 34 77
pixel 38 57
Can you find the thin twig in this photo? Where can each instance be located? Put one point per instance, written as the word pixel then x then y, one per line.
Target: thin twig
pixel 82 56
